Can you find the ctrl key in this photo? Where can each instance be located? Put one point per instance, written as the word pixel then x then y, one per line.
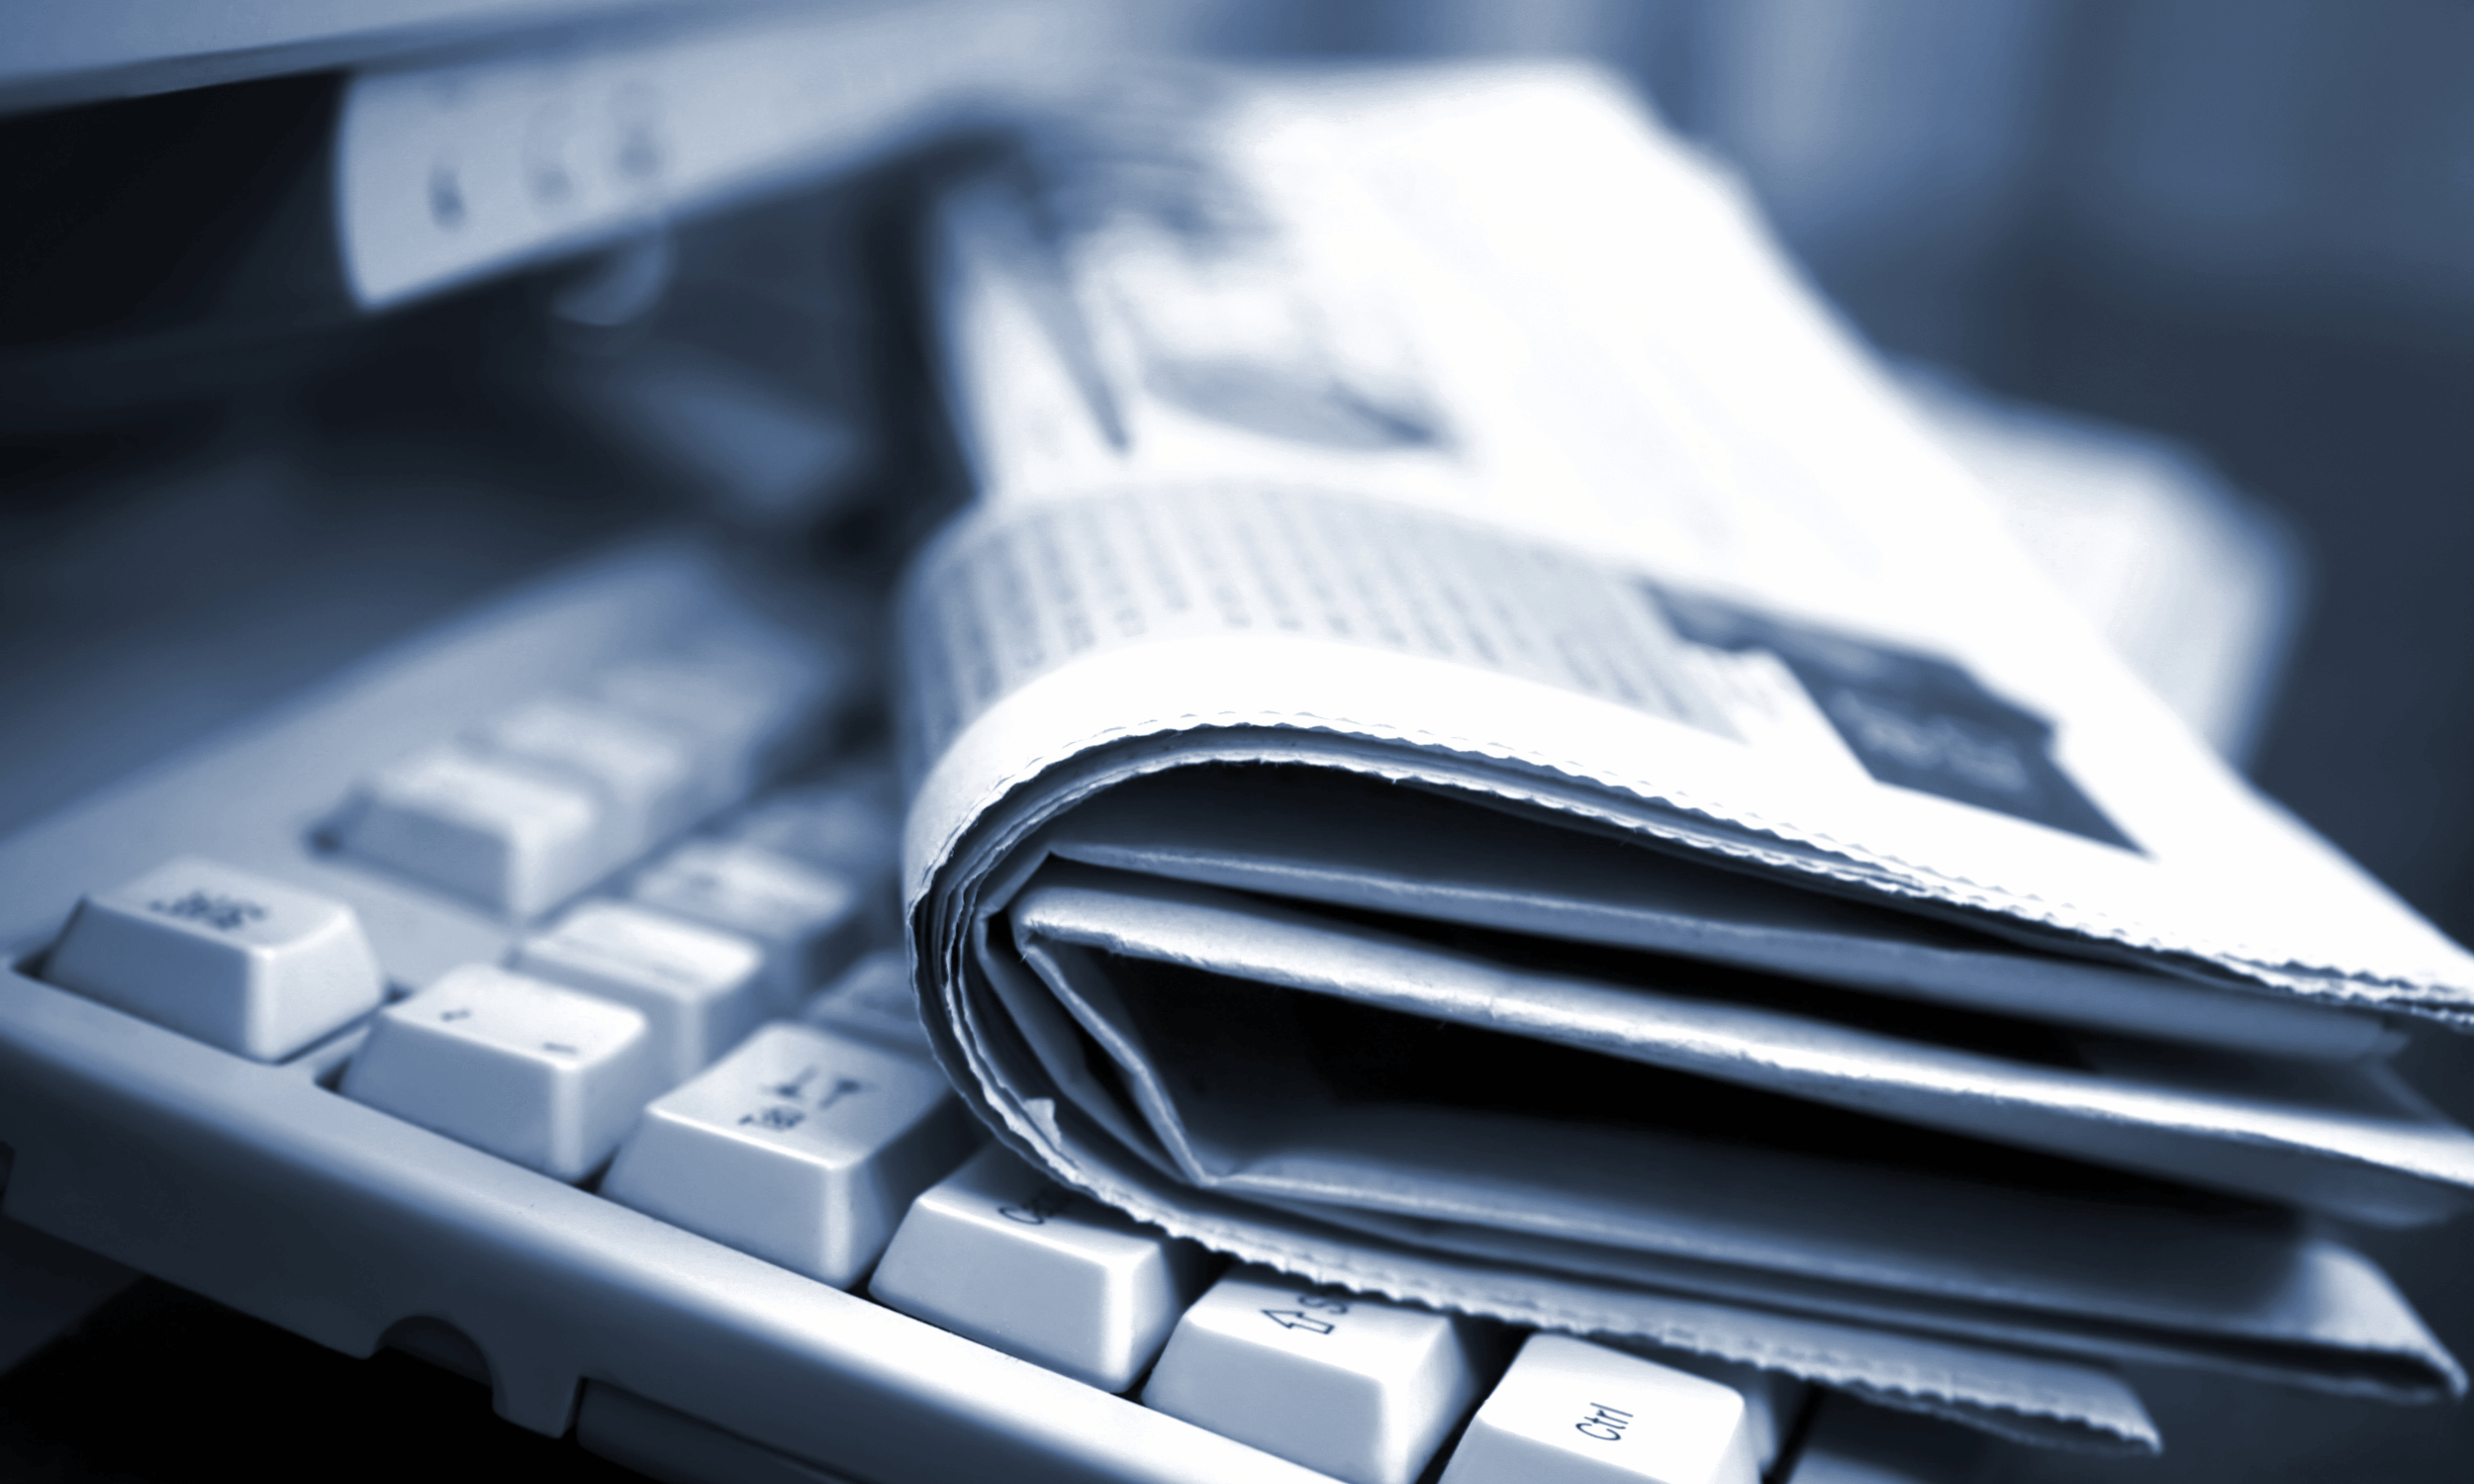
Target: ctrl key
pixel 1569 1412
pixel 232 958
pixel 544 1077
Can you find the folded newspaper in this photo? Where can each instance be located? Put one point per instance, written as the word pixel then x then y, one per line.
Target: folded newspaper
pixel 1471 747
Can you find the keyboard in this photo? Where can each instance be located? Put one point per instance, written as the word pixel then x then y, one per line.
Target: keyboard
pixel 530 1000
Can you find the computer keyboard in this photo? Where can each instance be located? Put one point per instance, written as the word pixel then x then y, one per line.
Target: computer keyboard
pixel 530 1000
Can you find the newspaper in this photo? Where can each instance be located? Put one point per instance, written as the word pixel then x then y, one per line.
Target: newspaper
pixel 1471 747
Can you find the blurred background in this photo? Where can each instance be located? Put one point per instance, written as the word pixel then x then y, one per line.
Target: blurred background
pixel 2234 236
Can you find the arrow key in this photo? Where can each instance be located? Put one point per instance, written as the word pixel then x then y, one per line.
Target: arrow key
pixel 1359 1388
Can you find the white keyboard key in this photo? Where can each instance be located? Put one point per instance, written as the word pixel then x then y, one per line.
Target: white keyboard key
pixel 700 989
pixel 999 1254
pixel 845 826
pixel 740 713
pixel 800 1147
pixel 231 958
pixel 485 829
pixel 643 773
pixel 1360 1389
pixel 808 922
pixel 1771 1400
pixel 547 1077
pixel 873 1000
pixel 1569 1412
